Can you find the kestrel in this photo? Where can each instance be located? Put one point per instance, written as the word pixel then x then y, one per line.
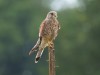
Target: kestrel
pixel 47 33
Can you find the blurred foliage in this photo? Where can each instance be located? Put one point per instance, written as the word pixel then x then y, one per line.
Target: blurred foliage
pixel 77 45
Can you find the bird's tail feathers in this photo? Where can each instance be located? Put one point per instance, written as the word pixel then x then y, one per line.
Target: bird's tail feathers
pixel 38 56
pixel 36 46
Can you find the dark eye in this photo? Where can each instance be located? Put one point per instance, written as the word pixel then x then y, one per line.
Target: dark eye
pixel 51 13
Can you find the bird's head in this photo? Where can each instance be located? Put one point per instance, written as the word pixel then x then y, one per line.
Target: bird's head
pixel 52 14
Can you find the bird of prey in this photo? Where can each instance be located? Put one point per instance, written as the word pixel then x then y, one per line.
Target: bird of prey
pixel 47 33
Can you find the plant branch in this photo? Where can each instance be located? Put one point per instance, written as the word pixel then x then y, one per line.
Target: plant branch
pixel 51 60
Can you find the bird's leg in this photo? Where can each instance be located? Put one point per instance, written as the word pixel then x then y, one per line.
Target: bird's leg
pixel 51 45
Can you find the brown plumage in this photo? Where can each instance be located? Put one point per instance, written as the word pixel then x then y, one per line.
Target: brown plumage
pixel 47 33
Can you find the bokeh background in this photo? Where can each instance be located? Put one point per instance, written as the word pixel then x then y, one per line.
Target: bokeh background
pixel 77 46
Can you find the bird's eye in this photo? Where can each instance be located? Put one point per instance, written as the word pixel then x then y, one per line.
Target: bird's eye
pixel 51 13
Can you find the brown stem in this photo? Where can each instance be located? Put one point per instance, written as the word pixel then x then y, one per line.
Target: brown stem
pixel 51 60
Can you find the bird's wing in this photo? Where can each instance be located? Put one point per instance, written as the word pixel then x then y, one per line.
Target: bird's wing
pixel 42 27
pixel 36 46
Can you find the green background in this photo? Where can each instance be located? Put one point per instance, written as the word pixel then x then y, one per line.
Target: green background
pixel 77 46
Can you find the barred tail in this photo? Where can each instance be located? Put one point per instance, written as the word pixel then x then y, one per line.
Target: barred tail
pixel 36 46
pixel 38 56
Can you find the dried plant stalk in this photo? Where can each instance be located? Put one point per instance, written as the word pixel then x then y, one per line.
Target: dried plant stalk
pixel 51 60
